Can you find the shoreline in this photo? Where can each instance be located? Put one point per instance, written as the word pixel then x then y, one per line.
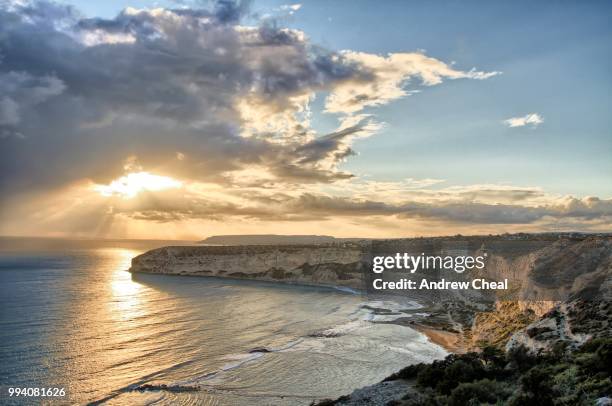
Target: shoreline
pixel 349 290
pixel 452 342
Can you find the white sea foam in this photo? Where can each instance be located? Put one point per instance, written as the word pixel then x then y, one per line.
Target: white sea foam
pixel 347 290
pixel 240 359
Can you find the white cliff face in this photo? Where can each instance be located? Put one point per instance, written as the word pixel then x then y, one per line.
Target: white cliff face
pixel 536 270
pixel 572 281
pixel 571 324
pixel 542 273
pixel 321 265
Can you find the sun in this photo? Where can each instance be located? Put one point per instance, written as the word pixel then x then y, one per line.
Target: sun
pixel 132 184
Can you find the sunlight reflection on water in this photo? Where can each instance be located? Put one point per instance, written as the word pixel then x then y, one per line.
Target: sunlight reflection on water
pixel 125 301
pixel 79 319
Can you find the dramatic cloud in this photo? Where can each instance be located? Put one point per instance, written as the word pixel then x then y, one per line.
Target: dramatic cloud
pixel 318 207
pixel 21 92
pixel 421 207
pixel 175 116
pixel 391 74
pixel 477 204
pixel 531 119
pixel 156 81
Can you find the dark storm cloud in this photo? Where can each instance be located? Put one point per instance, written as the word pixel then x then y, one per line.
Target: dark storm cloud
pixel 91 92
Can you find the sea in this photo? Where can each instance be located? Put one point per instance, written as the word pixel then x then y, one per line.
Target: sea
pixel 72 317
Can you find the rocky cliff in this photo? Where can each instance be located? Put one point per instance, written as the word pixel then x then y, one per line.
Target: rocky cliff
pixel 526 352
pixel 540 269
pixel 579 275
pixel 331 265
pixel 544 271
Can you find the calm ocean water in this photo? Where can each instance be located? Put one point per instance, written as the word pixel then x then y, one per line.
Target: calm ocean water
pixel 72 317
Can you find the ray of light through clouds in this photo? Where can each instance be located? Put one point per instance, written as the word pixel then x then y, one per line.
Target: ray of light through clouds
pixel 178 123
pixel 130 185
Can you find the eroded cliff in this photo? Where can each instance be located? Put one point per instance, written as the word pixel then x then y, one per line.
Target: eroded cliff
pixel 339 265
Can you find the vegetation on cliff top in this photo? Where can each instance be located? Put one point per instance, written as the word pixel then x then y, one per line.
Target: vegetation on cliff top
pixel 514 378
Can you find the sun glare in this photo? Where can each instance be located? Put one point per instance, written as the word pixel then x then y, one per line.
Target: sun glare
pixel 131 184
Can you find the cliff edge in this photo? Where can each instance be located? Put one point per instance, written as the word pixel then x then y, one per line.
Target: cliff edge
pixel 332 265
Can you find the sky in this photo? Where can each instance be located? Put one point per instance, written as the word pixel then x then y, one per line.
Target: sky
pixel 184 119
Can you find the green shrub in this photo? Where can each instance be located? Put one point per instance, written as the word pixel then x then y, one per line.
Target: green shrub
pixel 520 358
pixel 430 375
pixel 409 372
pixel 516 378
pixel 478 392
pixel 537 383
